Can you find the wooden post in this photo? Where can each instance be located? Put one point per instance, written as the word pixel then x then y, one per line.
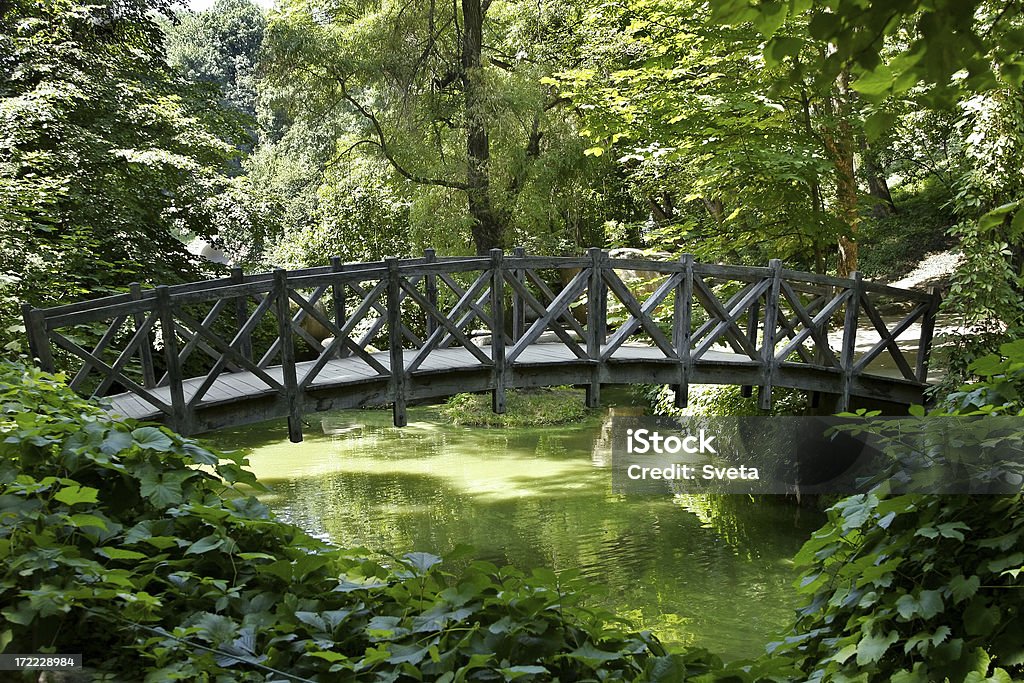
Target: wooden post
pixel 498 332
pixel 338 300
pixel 145 345
pixel 753 317
pixel 771 317
pixel 430 256
pixel 399 416
pixel 849 340
pixel 682 313
pixel 284 331
pixel 518 305
pixel 924 348
pixel 180 421
pixel 242 314
pixel 38 338
pixel 596 324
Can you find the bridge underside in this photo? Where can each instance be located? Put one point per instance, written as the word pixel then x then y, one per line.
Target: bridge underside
pixel 241 397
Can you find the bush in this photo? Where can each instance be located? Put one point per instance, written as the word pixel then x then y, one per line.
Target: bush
pixel 920 587
pixel 524 408
pixel 135 547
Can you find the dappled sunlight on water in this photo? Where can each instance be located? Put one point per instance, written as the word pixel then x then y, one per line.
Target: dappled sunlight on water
pixel 708 571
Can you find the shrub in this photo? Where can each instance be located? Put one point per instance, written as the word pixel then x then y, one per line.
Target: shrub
pixel 524 408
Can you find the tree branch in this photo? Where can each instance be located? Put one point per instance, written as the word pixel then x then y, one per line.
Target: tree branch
pixel 381 143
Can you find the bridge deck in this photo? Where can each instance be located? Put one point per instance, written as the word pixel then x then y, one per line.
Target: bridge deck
pixel 440 375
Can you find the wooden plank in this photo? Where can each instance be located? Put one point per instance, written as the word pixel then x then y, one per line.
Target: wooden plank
pixel 742 273
pixel 896 293
pixel 518 308
pixel 846 360
pixel 499 371
pixel 394 321
pixel 640 315
pixel 567 317
pixel 729 321
pixel 228 348
pixel 168 330
pixel 242 314
pixel 682 316
pixel 284 331
pixel 812 326
pixel 145 348
pixel 550 315
pixel 446 325
pixel 887 337
pixel 771 312
pixel 888 340
pixel 924 346
pixel 596 325
pixel 101 345
pixel 732 334
pixel 430 286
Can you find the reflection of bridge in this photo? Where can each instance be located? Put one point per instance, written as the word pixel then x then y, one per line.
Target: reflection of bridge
pixel 210 354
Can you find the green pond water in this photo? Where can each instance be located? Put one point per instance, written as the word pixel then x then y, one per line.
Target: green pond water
pixel 697 570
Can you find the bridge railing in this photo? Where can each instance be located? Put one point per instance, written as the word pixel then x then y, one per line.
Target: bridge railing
pixel 277 333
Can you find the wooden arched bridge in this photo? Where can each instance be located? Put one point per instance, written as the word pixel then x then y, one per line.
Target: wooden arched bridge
pixel 244 348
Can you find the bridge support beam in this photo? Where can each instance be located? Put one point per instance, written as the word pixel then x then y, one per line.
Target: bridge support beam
pixel 769 336
pixel 846 360
pixel 398 379
pixel 291 385
pixel 498 332
pixel 597 322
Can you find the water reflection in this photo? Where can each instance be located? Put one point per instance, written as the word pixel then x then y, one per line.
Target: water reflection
pixel 695 570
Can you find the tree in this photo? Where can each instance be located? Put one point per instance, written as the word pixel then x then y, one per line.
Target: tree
pixel 105 157
pixel 220 46
pixel 447 95
pixel 732 166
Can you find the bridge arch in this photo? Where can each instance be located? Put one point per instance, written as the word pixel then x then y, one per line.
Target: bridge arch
pixel 223 352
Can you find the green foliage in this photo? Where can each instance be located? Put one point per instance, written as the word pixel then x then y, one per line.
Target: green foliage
pixel 524 408
pixel 135 547
pixel 105 156
pixel 722 400
pixel 915 587
pixel 220 46
pixel 726 162
pixel 952 46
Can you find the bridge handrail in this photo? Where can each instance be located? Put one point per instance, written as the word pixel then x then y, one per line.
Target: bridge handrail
pixel 768 315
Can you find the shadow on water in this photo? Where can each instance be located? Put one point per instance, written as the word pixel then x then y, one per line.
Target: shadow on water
pixel 696 570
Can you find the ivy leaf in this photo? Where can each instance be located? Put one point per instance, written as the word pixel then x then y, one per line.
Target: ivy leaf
pixel 513 672
pixel 872 648
pixel 120 554
pixel 591 656
pixel 421 562
pixel 205 545
pixel 152 439
pixel 73 495
pixel 962 588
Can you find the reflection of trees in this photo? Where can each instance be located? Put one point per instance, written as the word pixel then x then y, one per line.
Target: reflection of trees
pixel 688 582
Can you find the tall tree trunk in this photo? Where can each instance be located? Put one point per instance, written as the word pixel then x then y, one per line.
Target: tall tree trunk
pixel 877 186
pixel 488 229
pixel 840 143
